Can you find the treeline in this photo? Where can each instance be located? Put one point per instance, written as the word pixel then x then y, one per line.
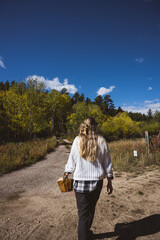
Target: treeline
pixel 27 110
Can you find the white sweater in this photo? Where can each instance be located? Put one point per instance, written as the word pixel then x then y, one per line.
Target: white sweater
pixel 85 170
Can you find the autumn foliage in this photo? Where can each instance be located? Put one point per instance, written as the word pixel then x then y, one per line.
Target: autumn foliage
pixel 28 111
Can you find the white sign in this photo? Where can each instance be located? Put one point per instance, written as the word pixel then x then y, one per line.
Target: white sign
pixel 135 153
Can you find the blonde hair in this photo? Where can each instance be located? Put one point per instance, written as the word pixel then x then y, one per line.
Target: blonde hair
pixel 88 139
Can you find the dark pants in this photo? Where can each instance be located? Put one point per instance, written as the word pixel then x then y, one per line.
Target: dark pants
pixel 86 203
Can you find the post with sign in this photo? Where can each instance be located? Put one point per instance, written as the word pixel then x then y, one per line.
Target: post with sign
pixel 147 140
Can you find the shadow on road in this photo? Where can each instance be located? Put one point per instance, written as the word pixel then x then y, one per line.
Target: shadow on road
pixel 132 230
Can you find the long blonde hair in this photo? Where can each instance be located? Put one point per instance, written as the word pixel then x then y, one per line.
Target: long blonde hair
pixel 88 139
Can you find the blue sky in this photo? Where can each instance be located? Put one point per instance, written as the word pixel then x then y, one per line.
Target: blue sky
pixel 93 47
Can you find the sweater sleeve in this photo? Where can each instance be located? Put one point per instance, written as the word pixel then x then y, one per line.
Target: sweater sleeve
pixel 107 162
pixel 71 163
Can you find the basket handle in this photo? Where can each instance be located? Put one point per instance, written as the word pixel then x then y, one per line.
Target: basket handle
pixel 64 177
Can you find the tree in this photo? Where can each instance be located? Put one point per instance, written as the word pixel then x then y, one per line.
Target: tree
pixel 58 107
pixel 119 109
pixel 81 98
pixel 75 98
pixel 99 101
pixel 80 112
pixel 3 118
pixel 149 114
pixel 137 116
pixel 2 87
pixel 88 100
pixel 120 126
pixel 13 83
pixel 6 85
pixel 108 105
pixel 24 107
pixel 157 116
pixel 64 91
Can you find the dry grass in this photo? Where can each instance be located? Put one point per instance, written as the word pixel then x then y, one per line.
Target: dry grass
pixel 17 155
pixel 123 158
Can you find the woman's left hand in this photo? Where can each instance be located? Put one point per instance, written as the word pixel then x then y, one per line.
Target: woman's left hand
pixel 109 187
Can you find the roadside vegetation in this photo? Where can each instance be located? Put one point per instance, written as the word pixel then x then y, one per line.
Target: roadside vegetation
pixel 14 156
pixel 124 159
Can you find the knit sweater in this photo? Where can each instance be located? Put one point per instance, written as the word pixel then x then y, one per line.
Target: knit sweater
pixel 85 170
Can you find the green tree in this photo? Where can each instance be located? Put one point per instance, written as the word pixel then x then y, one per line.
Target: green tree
pixel 6 85
pixel 2 87
pixel 75 98
pixel 108 105
pixel 119 110
pixel 82 110
pixel 88 100
pixel 99 101
pixel 157 116
pixel 58 107
pixel 4 132
pixel 64 91
pixel 149 115
pixel 120 126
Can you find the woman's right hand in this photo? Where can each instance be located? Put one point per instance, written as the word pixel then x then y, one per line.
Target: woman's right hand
pixel 66 175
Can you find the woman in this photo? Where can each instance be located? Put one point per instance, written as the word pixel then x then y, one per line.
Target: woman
pixel 90 161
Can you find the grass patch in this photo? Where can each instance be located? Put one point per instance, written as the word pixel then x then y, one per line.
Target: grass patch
pixel 14 156
pixel 123 158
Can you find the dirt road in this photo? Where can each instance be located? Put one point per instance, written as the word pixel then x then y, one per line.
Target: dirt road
pixel 32 207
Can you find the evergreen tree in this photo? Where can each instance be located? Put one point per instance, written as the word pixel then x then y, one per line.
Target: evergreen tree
pixel 157 116
pixel 6 85
pixel 99 101
pixel 64 91
pixel 75 98
pixel 108 105
pixel 149 114
pixel 88 100
pixel 119 109
pixel 2 87
pixel 13 83
pixel 81 97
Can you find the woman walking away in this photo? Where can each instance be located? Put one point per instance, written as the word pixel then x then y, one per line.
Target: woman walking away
pixel 90 161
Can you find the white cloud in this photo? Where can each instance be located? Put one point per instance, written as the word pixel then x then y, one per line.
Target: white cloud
pixel 154 106
pixel 149 89
pixel 55 83
pixel 102 91
pixel 2 63
pixel 143 107
pixel 146 101
pixel 139 60
pixel 135 109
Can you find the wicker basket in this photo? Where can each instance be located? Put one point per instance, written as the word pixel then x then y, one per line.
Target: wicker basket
pixel 65 184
